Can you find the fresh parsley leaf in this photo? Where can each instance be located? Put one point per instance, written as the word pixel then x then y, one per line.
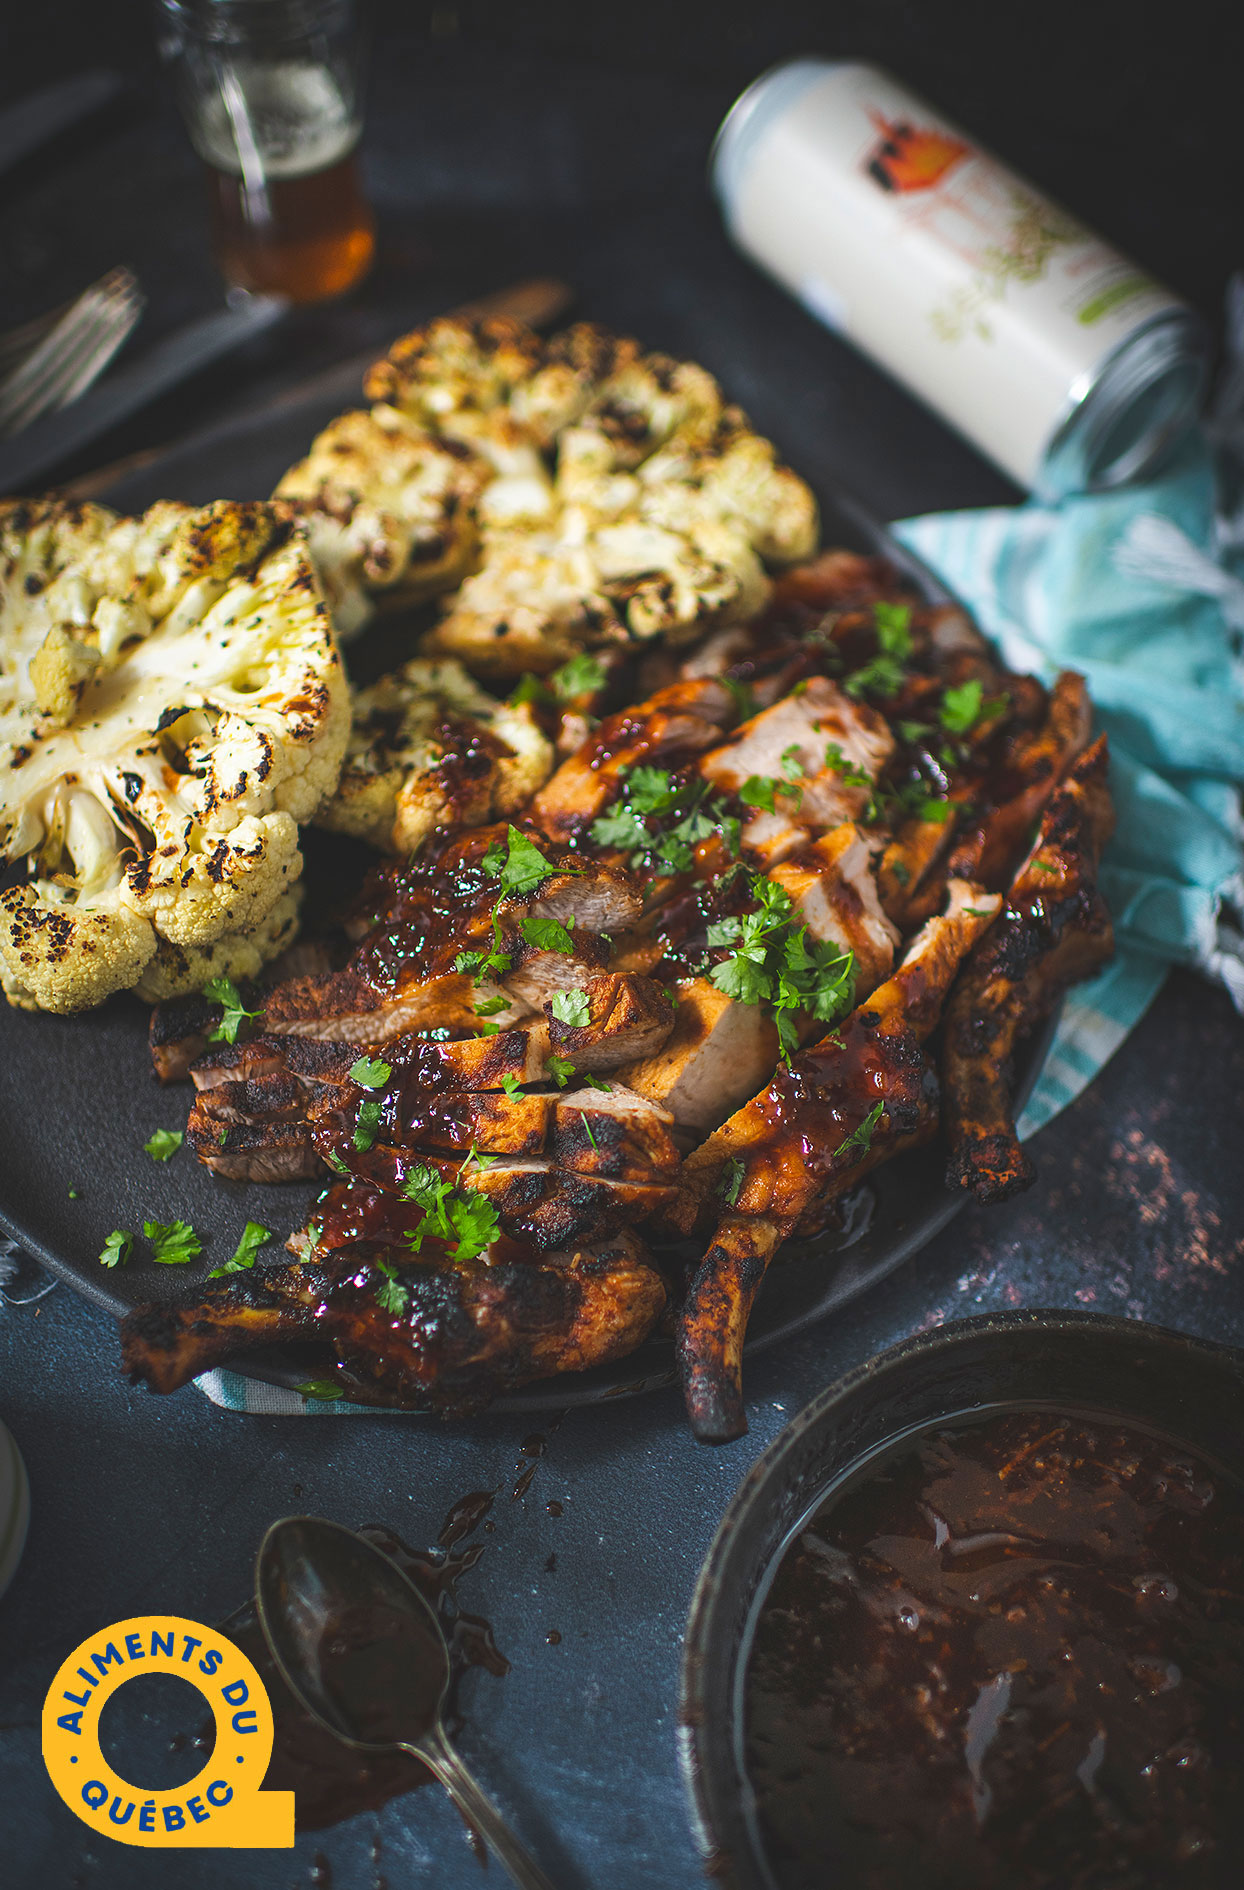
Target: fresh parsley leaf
pixel 530 689
pixel 117 1249
pixel 73 1194
pixel 335 1162
pixel 571 1007
pixel 588 1129
pixel 370 1072
pixel 322 1389
pixel 860 1140
pixel 391 1295
pixel 581 676
pixel 486 1028
pixel 559 1070
pixel 512 1086
pixel 792 763
pixel 480 964
pixel 313 1243
pixel 913 733
pixel 893 623
pixel 977 912
pixel 961 706
pixel 548 935
pixel 223 1138
pixel 174 1244
pixel 1043 866
pixel 365 1129
pixel 476 1160
pixel 724 931
pixel 744 697
pixel 758 791
pixel 594 1082
pixel 243 1256
pixel 620 827
pixel 650 790
pixel 772 961
pixel 730 1180
pixel 458 1215
pixel 883 676
pixel 846 770
pixel 224 991
pixel 488 1007
pixel 902 873
pixel 164 1144
pixel 518 868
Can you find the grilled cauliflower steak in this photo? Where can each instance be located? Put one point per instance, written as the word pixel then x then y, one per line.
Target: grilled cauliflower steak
pixel 390 511
pixel 172 706
pixel 428 748
pixel 599 495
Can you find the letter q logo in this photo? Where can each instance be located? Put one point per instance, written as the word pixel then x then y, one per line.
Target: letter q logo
pixel 223 1807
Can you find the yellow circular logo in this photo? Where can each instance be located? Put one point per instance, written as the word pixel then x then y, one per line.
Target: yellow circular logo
pixel 223 1807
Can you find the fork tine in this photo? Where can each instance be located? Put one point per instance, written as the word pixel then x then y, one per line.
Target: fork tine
pixel 73 352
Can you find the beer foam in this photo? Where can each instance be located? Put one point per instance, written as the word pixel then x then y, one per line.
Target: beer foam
pixel 279 120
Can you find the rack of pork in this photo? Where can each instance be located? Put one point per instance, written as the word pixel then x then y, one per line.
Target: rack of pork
pixel 528 1038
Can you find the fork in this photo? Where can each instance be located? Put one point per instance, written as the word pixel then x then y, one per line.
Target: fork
pixel 53 359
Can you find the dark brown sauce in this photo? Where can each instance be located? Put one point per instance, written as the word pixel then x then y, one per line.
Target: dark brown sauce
pixel 329 1781
pixel 1008 1654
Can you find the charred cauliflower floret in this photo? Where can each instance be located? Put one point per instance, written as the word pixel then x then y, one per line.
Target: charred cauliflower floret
pixel 428 747
pixel 178 970
pixel 390 511
pixel 172 706
pixel 619 498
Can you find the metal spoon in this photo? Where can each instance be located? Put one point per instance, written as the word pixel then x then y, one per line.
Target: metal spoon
pixel 364 1654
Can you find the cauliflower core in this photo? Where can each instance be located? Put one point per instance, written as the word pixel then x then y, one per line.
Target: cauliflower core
pixel 430 747
pixel 172 706
pixel 580 492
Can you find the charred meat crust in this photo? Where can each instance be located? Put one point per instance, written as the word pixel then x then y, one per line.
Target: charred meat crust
pixel 1054 930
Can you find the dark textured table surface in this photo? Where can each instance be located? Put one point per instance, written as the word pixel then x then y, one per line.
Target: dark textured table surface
pixel 493 153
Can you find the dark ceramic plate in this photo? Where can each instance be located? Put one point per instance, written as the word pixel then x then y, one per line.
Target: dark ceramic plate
pixel 78 1100
pixel 1183 1387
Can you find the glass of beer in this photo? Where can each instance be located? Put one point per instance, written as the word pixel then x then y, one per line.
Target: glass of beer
pixel 270 91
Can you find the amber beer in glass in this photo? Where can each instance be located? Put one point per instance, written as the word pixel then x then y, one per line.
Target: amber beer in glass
pixel 269 89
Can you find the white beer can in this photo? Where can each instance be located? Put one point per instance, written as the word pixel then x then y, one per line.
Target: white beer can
pixel 1064 362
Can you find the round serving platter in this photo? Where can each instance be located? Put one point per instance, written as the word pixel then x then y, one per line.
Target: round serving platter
pixel 78 1098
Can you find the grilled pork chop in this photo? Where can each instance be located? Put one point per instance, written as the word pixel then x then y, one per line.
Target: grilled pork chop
pixel 465 1333
pixel 1054 930
pixel 835 1111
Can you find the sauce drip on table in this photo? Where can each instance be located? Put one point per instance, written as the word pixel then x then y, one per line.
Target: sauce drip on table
pixel 1012 1653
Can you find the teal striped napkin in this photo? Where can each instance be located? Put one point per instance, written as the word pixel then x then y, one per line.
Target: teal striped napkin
pixel 1135 590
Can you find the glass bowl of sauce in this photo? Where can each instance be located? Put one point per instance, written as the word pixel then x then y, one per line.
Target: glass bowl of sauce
pixel 977 1619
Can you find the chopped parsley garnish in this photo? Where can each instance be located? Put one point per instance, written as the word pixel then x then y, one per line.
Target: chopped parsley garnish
pixel 548 935
pixel 559 1070
pixel 322 1389
pixel 901 873
pixel 73 1194
pixel 512 1086
pixel 172 1245
pixel 313 1242
pixel 847 772
pixel 588 1128
pixel 368 1124
pixel 479 965
pixel 488 1007
pixel 681 815
pixel 335 1162
pixel 583 675
pixel 730 1180
pixel 594 1082
pixel 961 706
pixel 744 696
pixel 861 1140
pixel 774 962
pixel 234 1014
pixel 883 676
pixel 530 689
pixel 243 1256
pixel 977 912
pixel 792 763
pixel 571 1007
pixel 391 1295
pixel 457 1215
pixel 370 1072
pixel 164 1144
pixel 1043 866
pixel 518 867
pixel 117 1249
pixel 476 1160
pixel 759 790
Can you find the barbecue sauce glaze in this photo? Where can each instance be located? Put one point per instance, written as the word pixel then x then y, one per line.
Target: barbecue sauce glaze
pixel 1010 1653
